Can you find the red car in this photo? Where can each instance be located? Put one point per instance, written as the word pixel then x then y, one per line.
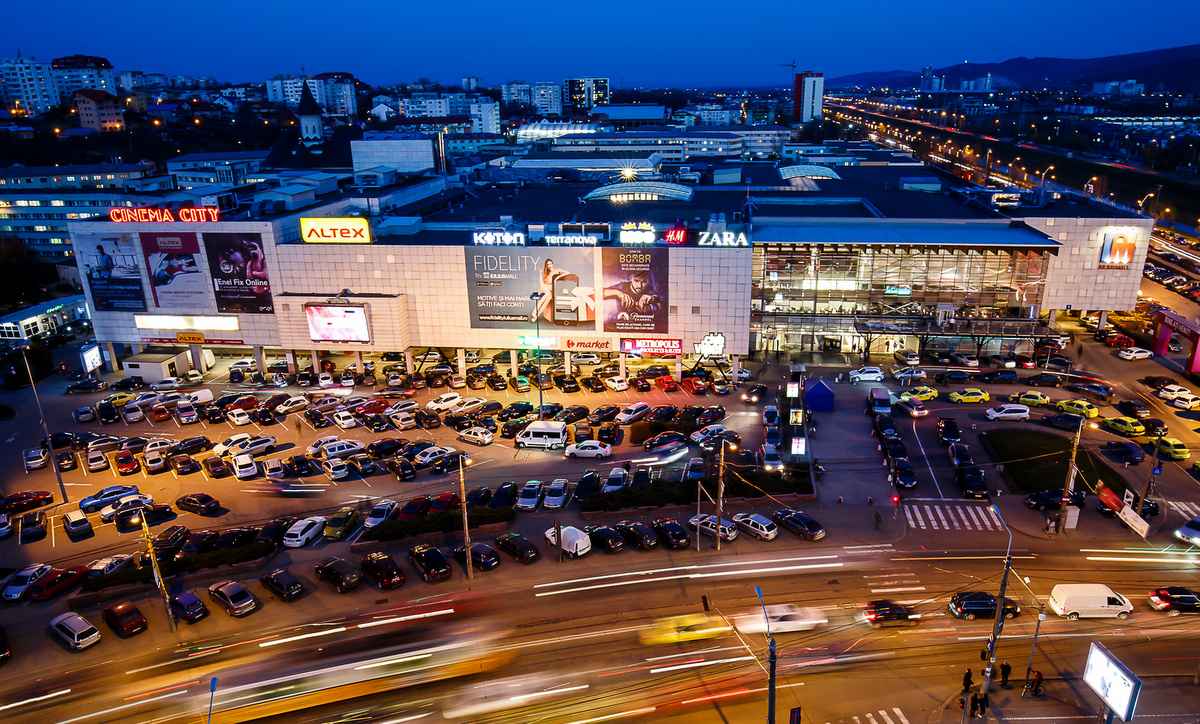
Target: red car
pixel 25 500
pixel 445 501
pixel 245 402
pixel 160 413
pixel 371 407
pixel 126 462
pixel 216 467
pixel 1119 341
pixel 55 582
pixel 667 383
pixel 416 507
pixel 275 401
pixel 694 385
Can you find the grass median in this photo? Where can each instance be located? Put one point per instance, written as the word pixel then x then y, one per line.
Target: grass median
pixel 1037 460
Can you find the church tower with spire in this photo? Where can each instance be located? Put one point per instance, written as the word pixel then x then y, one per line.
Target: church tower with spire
pixel 310 114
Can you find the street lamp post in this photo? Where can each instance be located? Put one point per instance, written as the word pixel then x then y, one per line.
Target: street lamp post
pixel 998 622
pixel 537 330
pixel 42 418
pixel 1046 172
pixel 770 659
pixel 720 488
pixel 462 495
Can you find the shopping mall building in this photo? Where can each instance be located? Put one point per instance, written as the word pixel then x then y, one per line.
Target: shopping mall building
pixel 802 257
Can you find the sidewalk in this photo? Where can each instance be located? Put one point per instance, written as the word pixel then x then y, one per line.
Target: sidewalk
pixel 1174 699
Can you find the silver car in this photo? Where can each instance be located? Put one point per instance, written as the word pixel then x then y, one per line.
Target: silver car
pixel 235 599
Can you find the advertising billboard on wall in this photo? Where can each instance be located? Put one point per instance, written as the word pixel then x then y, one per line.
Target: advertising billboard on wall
pixel 175 278
pixel 239 273
pixel 500 281
pixel 635 290
pixel 110 263
pixel 337 323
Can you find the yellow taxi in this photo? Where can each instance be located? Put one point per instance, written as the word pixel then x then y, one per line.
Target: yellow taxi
pixel 1078 407
pixel 924 393
pixel 1032 398
pixel 119 399
pixel 970 394
pixel 1125 425
pixel 1173 449
pixel 688 627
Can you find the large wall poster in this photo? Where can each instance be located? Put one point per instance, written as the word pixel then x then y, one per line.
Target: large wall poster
pixel 501 280
pixel 110 263
pixel 175 278
pixel 239 272
pixel 635 290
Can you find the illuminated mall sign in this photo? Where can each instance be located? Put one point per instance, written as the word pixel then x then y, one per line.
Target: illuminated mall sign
pixel 122 215
pixel 723 238
pixel 897 290
pixel 349 230
pixel 588 344
pixel 675 237
pixel 639 234
pixel 570 240
pixel 651 346
pixel 498 237
pixel 540 342
pixel 1120 245
pixel 713 345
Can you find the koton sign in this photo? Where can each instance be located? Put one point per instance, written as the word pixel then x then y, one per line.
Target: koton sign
pixel 584 344
pixel 652 346
pixel 349 230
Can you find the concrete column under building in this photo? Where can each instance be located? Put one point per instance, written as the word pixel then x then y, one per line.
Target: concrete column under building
pixel 358 360
pixel 735 366
pixel 257 352
pixel 461 360
pixel 512 359
pixel 409 367
pixel 621 362
pixel 567 362
pixel 1103 319
pixel 290 356
pixel 678 366
pixel 316 362
pixel 137 348
pixel 197 354
pixel 112 357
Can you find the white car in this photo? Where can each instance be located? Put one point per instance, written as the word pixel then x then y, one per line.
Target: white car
pixel 707 431
pixel 223 448
pixel 108 512
pixel 771 460
pixel 530 496
pixel 320 443
pixel 456 382
pixel 963 360
pixel 616 384
pixel 743 374
pixel 432 355
pixel 296 403
pixel 908 373
pixel 166 385
pixel 467 405
pixel 585 358
pixel 403 420
pixel 154 461
pixel 96 460
pixel 1008 412
pixel 273 469
pixel 430 455
pixel 779 618
pixel 756 525
pixel 1135 353
pixel 158 445
pixel 244 466
pixel 471 355
pixel 335 469
pixel 105 566
pixel 633 413
pixel 409 406
pixel 477 435
pixel 1170 392
pixel 443 402
pixel 383 510
pixel 912 406
pixel 238 417
pixel 18 584
pixel 75 631
pixel 395 379
pixel 145 399
pixel 37 458
pixel 345 420
pixel 616 480
pixel 708 526
pixel 325 380
pixel 866 374
pixel 304 532
pixel 6 524
pixel 558 494
pixel 245 364
pixel 132 413
pixel 253 446
pixel 1186 401
pixel 325 403
pixel 193 377
pixel 589 449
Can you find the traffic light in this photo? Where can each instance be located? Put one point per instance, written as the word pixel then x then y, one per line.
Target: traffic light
pixel 704 600
pixel 795 717
pixel 896 500
pixel 962 703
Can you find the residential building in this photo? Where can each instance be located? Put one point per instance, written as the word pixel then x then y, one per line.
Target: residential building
pixel 227 168
pixel 27 86
pixel 546 98
pixel 485 116
pixel 471 142
pixel 99 110
pixel 82 72
pixel 809 93
pixel 471 82
pixel 516 91
pixel 757 141
pixel 339 93
pixel 287 89
pixel 714 114
pixel 421 106
pixel 583 94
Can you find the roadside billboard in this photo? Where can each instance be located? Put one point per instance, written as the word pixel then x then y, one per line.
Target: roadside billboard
pixel 110 263
pixel 500 281
pixel 635 290
pixel 175 278
pixel 239 273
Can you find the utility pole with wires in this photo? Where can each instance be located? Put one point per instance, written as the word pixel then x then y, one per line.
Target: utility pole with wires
pixel 1149 486
pixel 1071 472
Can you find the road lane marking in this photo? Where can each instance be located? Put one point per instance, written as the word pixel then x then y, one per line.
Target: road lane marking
pixel 898 589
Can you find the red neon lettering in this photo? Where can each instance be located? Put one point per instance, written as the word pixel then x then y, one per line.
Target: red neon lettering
pixel 675 236
pixel 122 215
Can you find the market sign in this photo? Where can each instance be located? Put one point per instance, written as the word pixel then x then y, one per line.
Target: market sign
pixel 348 230
pixel 588 344
pixel 123 215
pixel 652 346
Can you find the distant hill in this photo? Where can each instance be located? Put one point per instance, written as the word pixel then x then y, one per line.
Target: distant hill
pixel 1174 68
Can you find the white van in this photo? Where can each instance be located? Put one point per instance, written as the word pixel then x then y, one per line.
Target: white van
pixel 545 434
pixel 1088 600
pixel 201 396
pixel 575 543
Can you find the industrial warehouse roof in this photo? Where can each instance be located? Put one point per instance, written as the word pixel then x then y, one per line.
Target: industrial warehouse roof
pixel 982 233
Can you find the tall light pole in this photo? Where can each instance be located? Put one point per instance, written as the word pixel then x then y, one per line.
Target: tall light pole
pixel 725 444
pixel 42 418
pixel 537 330
pixel 770 659
pixel 998 619
pixel 462 496
pixel 1043 181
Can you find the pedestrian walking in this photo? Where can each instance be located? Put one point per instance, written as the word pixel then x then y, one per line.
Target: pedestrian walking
pixel 983 705
pixel 878 519
pixel 967 681
pixel 627 466
pixel 1005 672
pixel 974 705
pixel 297 425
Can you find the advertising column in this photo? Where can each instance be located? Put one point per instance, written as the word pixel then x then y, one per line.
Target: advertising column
pixel 239 273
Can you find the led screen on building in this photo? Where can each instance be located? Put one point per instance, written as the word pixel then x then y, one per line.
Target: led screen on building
pixel 337 323
pixel 501 280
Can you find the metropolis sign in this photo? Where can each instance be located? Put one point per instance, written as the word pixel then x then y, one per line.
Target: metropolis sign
pixel 651 346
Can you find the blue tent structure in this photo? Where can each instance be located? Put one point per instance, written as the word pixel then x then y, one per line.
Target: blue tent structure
pixel 819 395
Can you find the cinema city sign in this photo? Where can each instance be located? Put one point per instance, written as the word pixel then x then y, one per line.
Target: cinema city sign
pixel 124 215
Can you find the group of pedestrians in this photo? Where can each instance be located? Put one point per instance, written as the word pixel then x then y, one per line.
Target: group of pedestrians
pixel 979 701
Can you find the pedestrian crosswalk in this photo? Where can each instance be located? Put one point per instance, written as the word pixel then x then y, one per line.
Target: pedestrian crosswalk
pixel 951 516
pixel 1187 510
pixel 880 716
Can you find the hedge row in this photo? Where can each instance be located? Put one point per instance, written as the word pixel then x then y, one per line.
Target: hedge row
pixel 661 493
pixel 190 564
pixel 444 522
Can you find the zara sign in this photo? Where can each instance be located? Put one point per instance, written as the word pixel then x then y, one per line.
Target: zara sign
pixel 723 238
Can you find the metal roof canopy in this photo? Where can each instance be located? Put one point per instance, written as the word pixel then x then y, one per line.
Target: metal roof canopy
pixel 676 192
pixel 880 233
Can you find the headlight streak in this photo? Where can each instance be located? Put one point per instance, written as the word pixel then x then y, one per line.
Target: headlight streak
pixel 696 664
pixel 120 708
pixel 696 576
pixel 301 637
pixel 36 699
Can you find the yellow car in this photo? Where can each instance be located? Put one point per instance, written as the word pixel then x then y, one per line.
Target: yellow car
pixel 923 393
pixel 688 627
pixel 1125 426
pixel 119 399
pixel 1173 449
pixel 1078 407
pixel 971 394
pixel 1031 398
pixel 340 524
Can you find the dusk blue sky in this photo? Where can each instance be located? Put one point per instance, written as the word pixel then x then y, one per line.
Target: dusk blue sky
pixel 648 42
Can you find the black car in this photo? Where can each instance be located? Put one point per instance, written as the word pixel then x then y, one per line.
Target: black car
pixel 640 477
pixel 1001 376
pixel 59 440
pixel 1052 498
pixel 548 410
pixel 66 460
pixel 458 423
pixel 427 419
pixel 491 407
pixel 1175 600
pixel 672 533
pixel 662 413
pixel 275 529
pixel 604 413
pixel 497 383
pixel 451 461
pixel 609 432
pixel 487 422
pixel 714 442
pixel 198 503
pixel 263 417
pixel 711 414
pixel 756 393
pixel 340 573
pixel 878 614
pixel 1134 408
pixel 592 384
pixel 953 377
pixel 1044 379
pixel 107 413
pixel 637 534
pixel 386 447
pixel 589 483
pixel 665 440
pixel 128 384
pixel 605 538
pixel 948 430
pixel 401 467
pixel 383 571
pixel 970 480
pixel 316 418
pixel 202 541
pixel 478 497
pixel 131 518
pixel 214 414
pixel 376 423
pixel 483 556
pixel 893 447
pixel 971 605
pixel 1150 509
pixel 885 425
pixel 544 382
pixel 429 562
pixel 410 450
pixel 519 547
pixel 1155 427
pixel 566 383
pixel 1125 451
pixel 235 537
pixel 282 583
pixel 639 384
pixel 298 465
pixel 1063 421
pixel 799 522
pixel 168 542
pixel 960 455
pixel 903 474
pixel 505 496
pixel 653 372
pixel 88 385
pixel 519 408
pixel 1157 382
pixel 188 607
pixel 574 413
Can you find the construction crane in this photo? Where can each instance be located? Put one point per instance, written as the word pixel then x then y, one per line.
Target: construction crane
pixel 791 65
